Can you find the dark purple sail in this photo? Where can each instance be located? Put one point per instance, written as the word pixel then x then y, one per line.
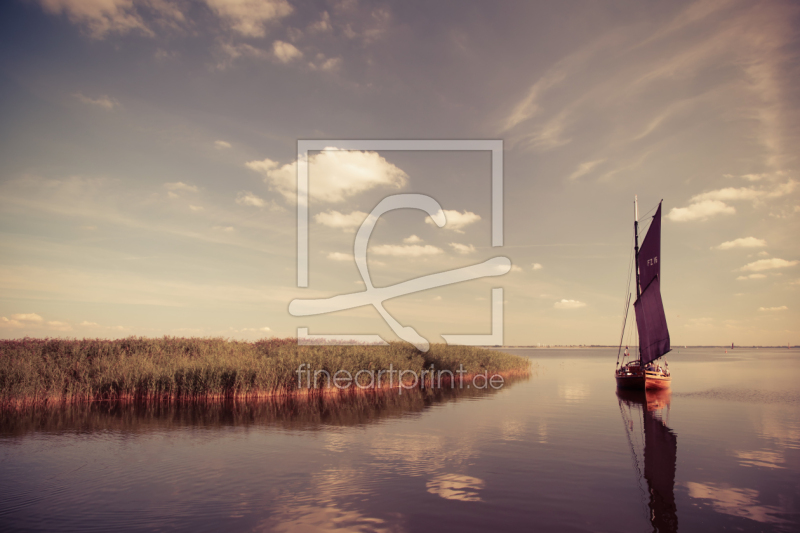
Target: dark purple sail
pixel 652 323
pixel 650 252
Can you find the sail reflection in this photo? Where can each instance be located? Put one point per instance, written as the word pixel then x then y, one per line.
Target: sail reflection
pixel 659 448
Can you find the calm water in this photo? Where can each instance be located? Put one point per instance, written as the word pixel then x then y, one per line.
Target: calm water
pixel 557 452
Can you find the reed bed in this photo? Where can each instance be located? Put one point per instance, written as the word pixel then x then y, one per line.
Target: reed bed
pixel 51 371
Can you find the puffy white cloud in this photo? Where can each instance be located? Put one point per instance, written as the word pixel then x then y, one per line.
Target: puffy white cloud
pixel 248 198
pixel 105 102
pixel 456 220
pixel 411 250
pixel 412 239
pixel 180 186
pixel 334 175
pixel 98 17
pixel 346 222
pixel 285 52
pixel 700 211
pixel 222 144
pixel 743 242
pixel 462 248
pixel 781 308
pixel 515 268
pixel 767 264
pixel 537 266
pixel 569 304
pixel 248 17
pixel 339 256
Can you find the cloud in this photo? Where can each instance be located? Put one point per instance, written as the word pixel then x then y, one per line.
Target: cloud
pixel 412 239
pixel 248 17
pixel 781 308
pixel 98 17
pixel 196 207
pixel 412 250
pixel 537 266
pixel 180 186
pixel 222 144
pixel 746 193
pixel 462 248
pixel 285 52
pixel 456 221
pixel 88 324
pixel 346 222
pixel 744 242
pixel 27 317
pixel 105 102
pixel 515 268
pixel 59 326
pixel 569 304
pixel 334 175
pixel 248 198
pixel 767 264
pixel 751 276
pixel 339 256
pixel 700 211
pixel 226 229
pixel 584 168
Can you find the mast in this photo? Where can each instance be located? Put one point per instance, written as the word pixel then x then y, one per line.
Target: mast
pixel 636 241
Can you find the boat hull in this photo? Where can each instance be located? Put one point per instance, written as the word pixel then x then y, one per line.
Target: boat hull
pixel 630 382
pixel 657 381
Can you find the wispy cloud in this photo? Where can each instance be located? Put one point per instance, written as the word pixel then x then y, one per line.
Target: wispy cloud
pixel 180 186
pixel 700 211
pixel 456 220
pixel 769 309
pixel 412 239
pixel 569 304
pixel 462 248
pixel 743 242
pixel 344 221
pixel 537 266
pixel 248 198
pixel 106 102
pixel 409 250
pixel 768 264
pixel 585 168
pixel 222 144
pixel 249 18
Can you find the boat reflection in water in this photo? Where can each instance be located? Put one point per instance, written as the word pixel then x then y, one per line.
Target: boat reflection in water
pixel 657 444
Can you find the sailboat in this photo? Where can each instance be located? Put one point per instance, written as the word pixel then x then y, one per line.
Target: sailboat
pixel 659 455
pixel 645 372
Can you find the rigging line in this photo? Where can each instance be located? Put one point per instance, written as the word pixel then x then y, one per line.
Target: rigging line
pixel 627 298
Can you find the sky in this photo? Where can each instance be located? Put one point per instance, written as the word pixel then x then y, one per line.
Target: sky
pixel 148 164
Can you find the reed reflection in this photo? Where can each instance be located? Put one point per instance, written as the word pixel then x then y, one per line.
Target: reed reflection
pixel 657 444
pixel 301 413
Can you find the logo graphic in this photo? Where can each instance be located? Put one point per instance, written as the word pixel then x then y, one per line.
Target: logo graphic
pixel 375 296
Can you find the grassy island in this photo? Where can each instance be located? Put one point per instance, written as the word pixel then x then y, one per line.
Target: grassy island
pixel 45 371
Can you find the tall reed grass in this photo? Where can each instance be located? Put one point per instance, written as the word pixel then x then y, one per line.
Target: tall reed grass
pixel 36 371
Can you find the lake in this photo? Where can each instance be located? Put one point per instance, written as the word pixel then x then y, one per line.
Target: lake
pixel 559 451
